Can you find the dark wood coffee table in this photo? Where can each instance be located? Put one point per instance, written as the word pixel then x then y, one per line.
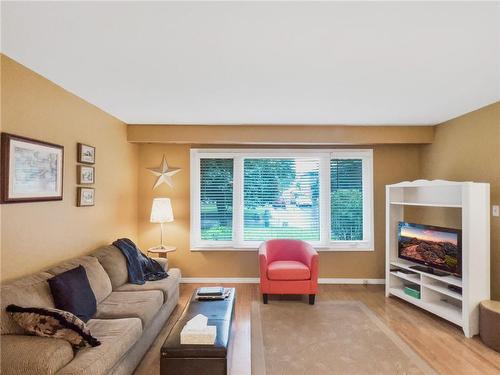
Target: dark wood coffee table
pixel 177 359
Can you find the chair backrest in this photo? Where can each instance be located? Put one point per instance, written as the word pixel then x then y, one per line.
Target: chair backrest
pixel 285 249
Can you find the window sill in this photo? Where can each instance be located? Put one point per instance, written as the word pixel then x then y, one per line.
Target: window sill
pixel 317 248
pixel 222 248
pixel 343 249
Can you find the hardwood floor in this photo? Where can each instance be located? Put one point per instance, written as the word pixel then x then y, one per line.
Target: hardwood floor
pixel 440 343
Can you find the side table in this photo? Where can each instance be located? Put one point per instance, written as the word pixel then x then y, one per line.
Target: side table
pixel 161 251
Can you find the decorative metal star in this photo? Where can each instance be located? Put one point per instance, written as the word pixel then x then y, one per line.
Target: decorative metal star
pixel 164 174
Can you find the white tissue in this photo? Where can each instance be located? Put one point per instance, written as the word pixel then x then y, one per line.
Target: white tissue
pixel 196 331
pixel 200 321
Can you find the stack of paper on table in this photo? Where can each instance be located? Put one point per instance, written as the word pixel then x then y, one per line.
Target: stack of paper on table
pixel 196 331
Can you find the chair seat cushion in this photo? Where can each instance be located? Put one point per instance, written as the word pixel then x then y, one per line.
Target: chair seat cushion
pixel 288 270
pixel 167 286
pixel 143 305
pixel 117 336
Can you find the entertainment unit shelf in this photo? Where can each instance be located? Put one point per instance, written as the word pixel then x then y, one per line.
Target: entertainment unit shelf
pixel 444 290
pixel 406 265
pixel 415 278
pixel 426 204
pixel 436 296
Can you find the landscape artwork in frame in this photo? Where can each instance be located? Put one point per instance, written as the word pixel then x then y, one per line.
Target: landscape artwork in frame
pixel 86 154
pixel 86 175
pixel 32 170
pixel 85 197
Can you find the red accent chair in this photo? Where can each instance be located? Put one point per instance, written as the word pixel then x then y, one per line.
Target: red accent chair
pixel 288 267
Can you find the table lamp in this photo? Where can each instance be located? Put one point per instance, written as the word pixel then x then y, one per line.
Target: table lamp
pixel 161 212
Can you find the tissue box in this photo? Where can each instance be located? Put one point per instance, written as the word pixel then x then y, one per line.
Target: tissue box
pixel 204 336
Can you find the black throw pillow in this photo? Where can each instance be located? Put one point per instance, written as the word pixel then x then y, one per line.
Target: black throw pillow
pixel 72 292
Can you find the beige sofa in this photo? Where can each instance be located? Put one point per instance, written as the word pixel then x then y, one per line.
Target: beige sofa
pixel 128 319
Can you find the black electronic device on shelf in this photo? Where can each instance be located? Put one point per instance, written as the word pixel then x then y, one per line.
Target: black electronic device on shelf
pixel 403 270
pixel 210 291
pixel 430 270
pixel 455 288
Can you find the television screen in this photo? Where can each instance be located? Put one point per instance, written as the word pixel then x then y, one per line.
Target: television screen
pixel 433 246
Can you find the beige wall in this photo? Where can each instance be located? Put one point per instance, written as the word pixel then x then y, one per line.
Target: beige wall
pixel 392 163
pixel 280 134
pixel 37 235
pixel 468 149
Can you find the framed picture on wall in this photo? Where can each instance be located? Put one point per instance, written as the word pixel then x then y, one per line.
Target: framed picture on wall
pixel 85 197
pixel 86 154
pixel 85 175
pixel 32 170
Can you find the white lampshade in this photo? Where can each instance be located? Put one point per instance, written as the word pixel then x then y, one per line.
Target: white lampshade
pixel 161 211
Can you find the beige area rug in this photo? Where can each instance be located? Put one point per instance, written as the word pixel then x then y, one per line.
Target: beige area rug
pixel 331 337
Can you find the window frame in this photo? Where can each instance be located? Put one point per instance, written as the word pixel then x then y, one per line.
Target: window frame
pixel 324 155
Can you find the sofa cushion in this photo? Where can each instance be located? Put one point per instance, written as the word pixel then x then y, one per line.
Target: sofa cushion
pixel 167 286
pixel 29 291
pixel 72 292
pixel 143 305
pixel 115 264
pixel 32 355
pixel 98 278
pixel 117 336
pixel 288 270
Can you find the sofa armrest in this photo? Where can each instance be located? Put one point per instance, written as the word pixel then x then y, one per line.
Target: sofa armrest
pixel 23 354
pixel 163 262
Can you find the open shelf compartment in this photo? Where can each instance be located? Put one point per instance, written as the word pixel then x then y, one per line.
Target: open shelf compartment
pixel 440 287
pixel 450 279
pixel 434 196
pixel 436 305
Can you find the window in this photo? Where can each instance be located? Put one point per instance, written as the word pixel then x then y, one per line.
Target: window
pixel 216 199
pixel 240 198
pixel 281 199
pixel 346 186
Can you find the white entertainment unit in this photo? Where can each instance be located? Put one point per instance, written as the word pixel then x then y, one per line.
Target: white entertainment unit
pixel 473 201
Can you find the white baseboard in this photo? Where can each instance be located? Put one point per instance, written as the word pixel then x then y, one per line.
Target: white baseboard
pixel 222 280
pixel 326 280
pixel 255 280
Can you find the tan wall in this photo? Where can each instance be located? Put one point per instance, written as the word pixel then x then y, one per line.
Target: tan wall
pixel 392 163
pixel 280 134
pixel 37 235
pixel 468 149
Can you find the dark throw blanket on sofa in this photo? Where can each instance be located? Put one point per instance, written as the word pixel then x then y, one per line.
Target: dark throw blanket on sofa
pixel 140 267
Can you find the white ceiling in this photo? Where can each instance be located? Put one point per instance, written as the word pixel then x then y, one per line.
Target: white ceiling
pixel 264 62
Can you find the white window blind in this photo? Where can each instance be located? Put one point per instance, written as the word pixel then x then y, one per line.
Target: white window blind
pixel 346 187
pixel 216 199
pixel 281 198
pixel 241 197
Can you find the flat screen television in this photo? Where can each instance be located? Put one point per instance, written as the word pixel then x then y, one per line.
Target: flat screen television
pixel 432 246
